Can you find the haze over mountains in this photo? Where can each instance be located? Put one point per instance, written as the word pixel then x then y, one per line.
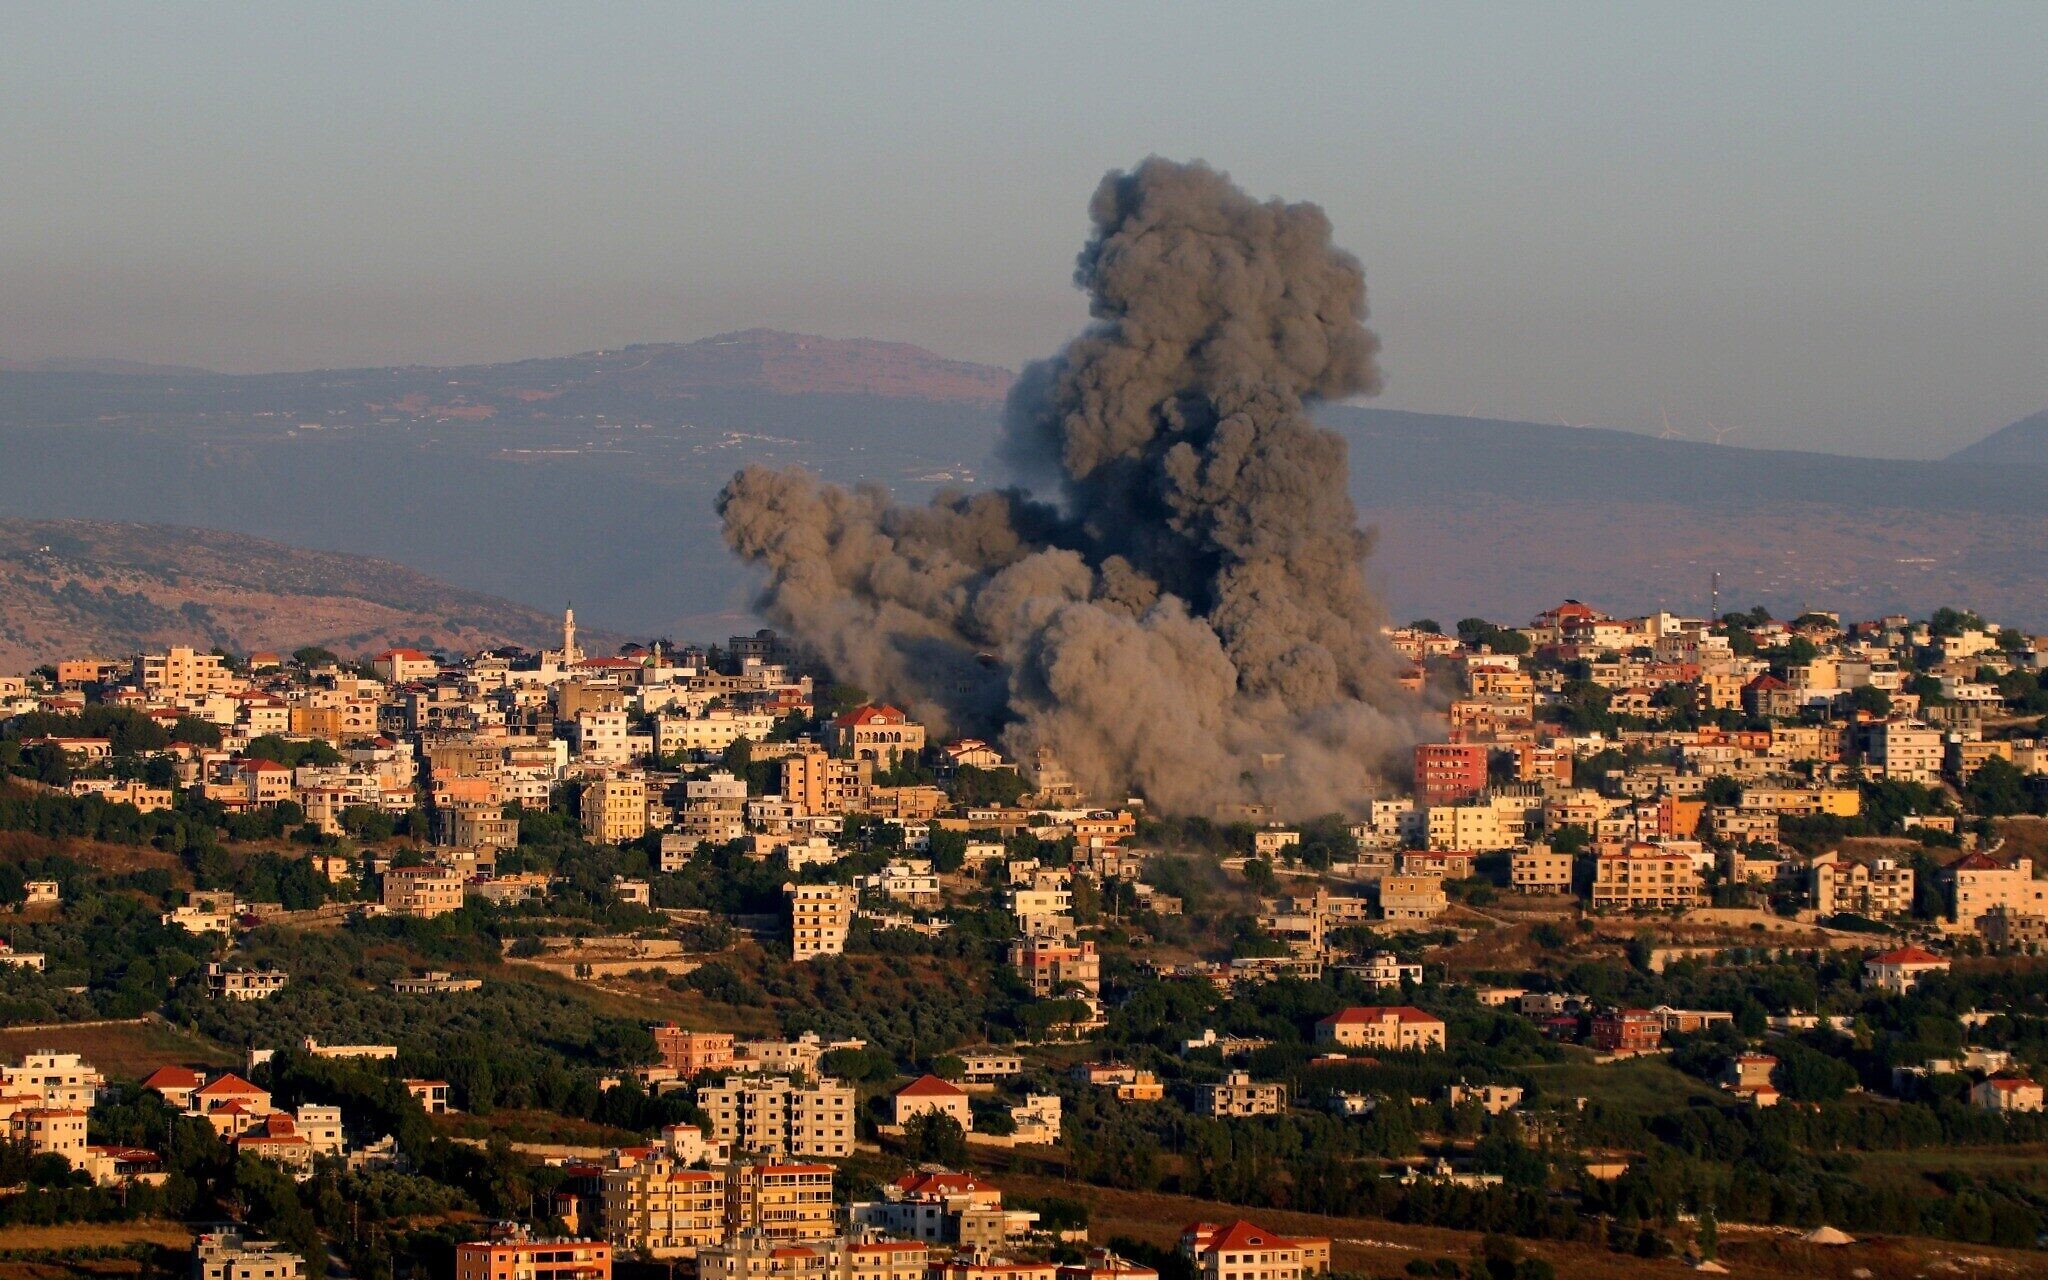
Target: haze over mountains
pixel 591 477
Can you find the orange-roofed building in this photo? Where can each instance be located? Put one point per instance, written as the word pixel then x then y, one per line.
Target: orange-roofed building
pixel 175 1085
pixel 1246 1251
pixel 882 734
pixel 1897 971
pixel 928 1093
pixel 1388 1027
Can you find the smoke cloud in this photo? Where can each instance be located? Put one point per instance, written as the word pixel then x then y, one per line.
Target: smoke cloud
pixel 1188 617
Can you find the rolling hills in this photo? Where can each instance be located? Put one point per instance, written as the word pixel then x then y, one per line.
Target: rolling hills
pixel 592 477
pixel 70 587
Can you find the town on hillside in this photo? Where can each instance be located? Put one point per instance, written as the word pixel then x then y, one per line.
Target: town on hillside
pixel 1719 942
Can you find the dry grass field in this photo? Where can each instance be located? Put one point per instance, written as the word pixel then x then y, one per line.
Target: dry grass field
pixel 123 1050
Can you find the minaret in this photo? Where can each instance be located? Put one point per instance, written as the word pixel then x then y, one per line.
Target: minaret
pixel 571 655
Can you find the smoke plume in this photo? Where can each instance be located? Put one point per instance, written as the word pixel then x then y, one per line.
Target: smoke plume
pixel 1187 618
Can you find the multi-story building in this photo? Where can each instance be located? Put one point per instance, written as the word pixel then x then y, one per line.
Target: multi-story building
pixel 1627 1031
pixel 689 1053
pixel 1900 969
pixel 880 734
pixel 782 1201
pixel 516 1255
pixel 1387 1027
pixel 1412 897
pixel 1878 888
pixel 777 1116
pixel 658 1205
pixel 1644 876
pixel 1243 1251
pixel 1540 869
pixel 753 1256
pixel 1980 884
pixel 1907 751
pixel 819 783
pixel 1447 772
pixel 1240 1095
pixel 1052 966
pixel 428 890
pixel 615 810
pixel 181 672
pixel 52 1079
pixel 820 917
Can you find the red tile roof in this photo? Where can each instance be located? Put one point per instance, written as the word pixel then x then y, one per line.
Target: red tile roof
pixel 930 1086
pixel 1377 1013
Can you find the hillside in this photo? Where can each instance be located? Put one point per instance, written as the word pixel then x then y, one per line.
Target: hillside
pixel 2023 444
pixel 591 477
pixel 76 586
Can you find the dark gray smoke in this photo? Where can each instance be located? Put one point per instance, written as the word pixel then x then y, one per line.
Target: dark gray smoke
pixel 1189 619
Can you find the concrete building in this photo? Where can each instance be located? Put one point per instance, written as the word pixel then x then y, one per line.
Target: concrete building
pixel 820 917
pixel 1645 877
pixel 1243 1251
pixel 777 1116
pixel 426 891
pixel 882 735
pixel 927 1095
pixel 1240 1095
pixel 1385 1027
pixel 229 1255
pixel 614 810
pixel 516 1255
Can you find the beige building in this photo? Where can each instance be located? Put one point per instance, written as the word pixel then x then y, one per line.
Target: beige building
pixel 1645 877
pixel 818 783
pixel 615 810
pixel 1389 1027
pixel 2008 1094
pixel 1054 965
pixel 1240 1095
pixel 1537 869
pixel 882 735
pixel 658 1205
pixel 820 917
pixel 1981 884
pixel 929 1094
pixel 1242 1251
pixel 1412 898
pixel 181 672
pixel 777 1116
pixel 426 891
pixel 1878 888
pixel 782 1201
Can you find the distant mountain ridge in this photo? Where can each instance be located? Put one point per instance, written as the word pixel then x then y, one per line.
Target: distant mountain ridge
pixel 71 587
pixel 2023 444
pixel 89 364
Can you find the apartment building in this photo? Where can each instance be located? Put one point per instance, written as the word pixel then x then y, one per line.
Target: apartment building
pixel 819 783
pixel 1240 1095
pixel 1906 750
pixel 688 1053
pixel 782 1201
pixel 614 810
pixel 820 917
pixel 427 891
pixel 1875 889
pixel 1447 772
pixel 780 1117
pixel 1052 966
pixel 751 1256
pixel 229 1255
pixel 1539 869
pixel 658 1205
pixel 1980 884
pixel 52 1079
pixel 1412 897
pixel 182 672
pixel 516 1255
pixel 1645 877
pixel 1387 1027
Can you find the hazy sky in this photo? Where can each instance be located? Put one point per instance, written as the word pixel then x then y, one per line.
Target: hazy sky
pixel 1824 225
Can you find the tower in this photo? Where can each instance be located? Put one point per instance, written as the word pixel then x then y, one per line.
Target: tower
pixel 571 655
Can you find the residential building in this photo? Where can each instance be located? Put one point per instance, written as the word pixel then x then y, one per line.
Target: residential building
pixel 427 891
pixel 783 1201
pixel 1627 1031
pixel 1980 884
pixel 1384 970
pixel 1412 897
pixel 928 1094
pixel 882 735
pixel 777 1116
pixel 1053 966
pixel 820 918
pixel 1384 1027
pixel 1877 889
pixel 819 783
pixel 659 1205
pixel 1240 1095
pixel 1447 772
pixel 1645 877
pixel 614 810
pixel 244 984
pixel 181 672
pixel 2007 1094
pixel 516 1255
pixel 1538 869
pixel 690 1053
pixel 1898 970
pixel 1244 1251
